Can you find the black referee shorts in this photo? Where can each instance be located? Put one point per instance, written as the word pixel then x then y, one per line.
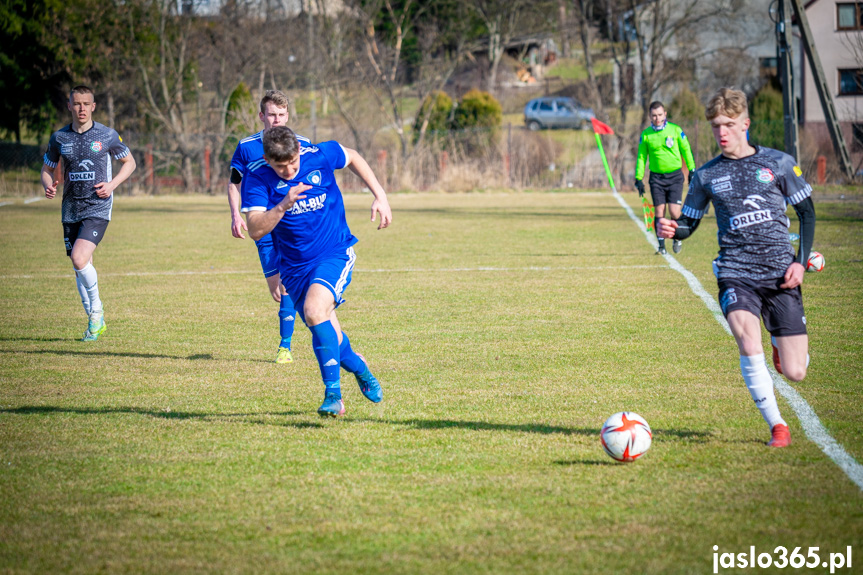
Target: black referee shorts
pixel 666 188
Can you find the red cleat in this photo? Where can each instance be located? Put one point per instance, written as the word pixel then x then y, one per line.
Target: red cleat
pixel 781 436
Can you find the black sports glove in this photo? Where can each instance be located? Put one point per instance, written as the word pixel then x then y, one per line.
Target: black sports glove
pixel 639 185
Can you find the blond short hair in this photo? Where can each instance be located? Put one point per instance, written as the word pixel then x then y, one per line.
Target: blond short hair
pixel 277 97
pixel 727 102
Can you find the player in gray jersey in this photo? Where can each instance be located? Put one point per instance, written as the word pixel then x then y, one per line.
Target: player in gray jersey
pixel 86 148
pixel 758 273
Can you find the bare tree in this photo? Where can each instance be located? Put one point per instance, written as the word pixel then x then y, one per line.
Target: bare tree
pixel 655 44
pixel 584 10
pixel 502 19
pixel 165 76
pixel 666 37
pixel 444 40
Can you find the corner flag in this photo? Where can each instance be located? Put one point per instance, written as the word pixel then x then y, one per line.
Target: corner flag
pixel 600 128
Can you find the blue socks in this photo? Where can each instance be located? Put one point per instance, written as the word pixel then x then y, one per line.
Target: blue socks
pixel 349 358
pixel 325 342
pixel 286 320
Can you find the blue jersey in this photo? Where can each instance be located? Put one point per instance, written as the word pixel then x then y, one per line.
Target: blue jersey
pixel 250 150
pixel 316 226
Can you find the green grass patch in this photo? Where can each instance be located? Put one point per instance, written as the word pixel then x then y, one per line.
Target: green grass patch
pixel 504 327
pixel 574 70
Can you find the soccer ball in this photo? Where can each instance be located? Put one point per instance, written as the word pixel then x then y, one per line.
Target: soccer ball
pixel 625 436
pixel 815 262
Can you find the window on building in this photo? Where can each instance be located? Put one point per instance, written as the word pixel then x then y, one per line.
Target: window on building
pixel 849 16
pixel 851 82
pixel 857 137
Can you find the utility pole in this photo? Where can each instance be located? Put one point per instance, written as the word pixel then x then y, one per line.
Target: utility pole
pixel 829 110
pixel 786 78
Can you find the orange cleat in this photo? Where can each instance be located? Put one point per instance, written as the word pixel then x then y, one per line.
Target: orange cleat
pixel 781 436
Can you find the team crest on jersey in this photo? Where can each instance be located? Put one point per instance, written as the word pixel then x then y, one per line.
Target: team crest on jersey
pixel 96 146
pixel 66 149
pixel 764 175
pixel 314 178
pixel 669 142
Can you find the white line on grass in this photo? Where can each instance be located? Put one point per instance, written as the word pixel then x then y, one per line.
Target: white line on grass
pixel 36 199
pixel 374 271
pixel 5 204
pixel 812 426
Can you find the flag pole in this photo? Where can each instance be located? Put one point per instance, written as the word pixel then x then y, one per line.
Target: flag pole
pixel 601 128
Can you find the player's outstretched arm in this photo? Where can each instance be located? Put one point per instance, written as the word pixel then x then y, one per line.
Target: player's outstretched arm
pixel 105 189
pixel 678 229
pixel 262 223
pixel 381 205
pixel 48 181
pixel 237 222
pixel 797 270
pixel 666 228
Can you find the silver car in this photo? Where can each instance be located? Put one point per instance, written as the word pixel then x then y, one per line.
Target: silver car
pixel 556 112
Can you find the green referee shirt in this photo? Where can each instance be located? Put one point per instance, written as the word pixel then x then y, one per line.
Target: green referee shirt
pixel 664 147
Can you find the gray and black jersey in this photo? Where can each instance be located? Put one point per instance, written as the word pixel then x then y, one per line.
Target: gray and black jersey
pixel 86 162
pixel 750 196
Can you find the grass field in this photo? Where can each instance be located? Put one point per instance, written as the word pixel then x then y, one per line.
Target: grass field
pixel 505 328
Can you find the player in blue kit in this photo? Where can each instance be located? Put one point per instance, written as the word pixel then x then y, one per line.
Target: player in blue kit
pixel 292 193
pixel 758 273
pixel 86 148
pixel 274 112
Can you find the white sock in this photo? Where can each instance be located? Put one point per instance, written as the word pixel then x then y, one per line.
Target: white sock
pixel 760 385
pixel 90 282
pixel 85 299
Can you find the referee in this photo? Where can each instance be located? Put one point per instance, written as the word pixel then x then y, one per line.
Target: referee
pixel 665 145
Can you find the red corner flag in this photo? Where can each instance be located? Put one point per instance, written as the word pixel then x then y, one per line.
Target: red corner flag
pixel 600 128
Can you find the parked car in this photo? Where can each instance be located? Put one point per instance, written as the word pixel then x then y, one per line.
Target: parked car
pixel 557 112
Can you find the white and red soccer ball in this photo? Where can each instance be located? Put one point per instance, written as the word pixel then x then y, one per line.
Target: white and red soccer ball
pixel 625 436
pixel 815 263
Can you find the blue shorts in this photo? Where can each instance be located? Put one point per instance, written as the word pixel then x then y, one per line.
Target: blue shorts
pixel 268 255
pixel 333 272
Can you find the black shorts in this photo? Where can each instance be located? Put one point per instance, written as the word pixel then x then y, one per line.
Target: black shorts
pixel 666 188
pixel 90 229
pixel 781 309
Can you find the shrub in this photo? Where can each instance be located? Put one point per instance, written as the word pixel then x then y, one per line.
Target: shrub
pixel 242 116
pixel 768 124
pixel 686 108
pixel 478 116
pixel 436 108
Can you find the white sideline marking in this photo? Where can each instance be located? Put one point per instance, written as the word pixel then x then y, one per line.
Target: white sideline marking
pixel 812 426
pixel 36 199
pixel 5 204
pixel 375 271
